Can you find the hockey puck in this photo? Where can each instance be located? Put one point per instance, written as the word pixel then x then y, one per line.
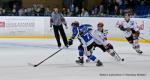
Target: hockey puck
pixel 35 66
pixel 122 59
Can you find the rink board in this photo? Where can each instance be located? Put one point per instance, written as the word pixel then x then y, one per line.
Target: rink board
pixel 52 37
pixel 38 27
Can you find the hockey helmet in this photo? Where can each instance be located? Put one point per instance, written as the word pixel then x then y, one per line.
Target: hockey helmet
pixel 100 24
pixel 75 24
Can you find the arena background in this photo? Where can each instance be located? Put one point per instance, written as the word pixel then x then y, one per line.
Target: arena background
pixel 26 37
pixel 30 18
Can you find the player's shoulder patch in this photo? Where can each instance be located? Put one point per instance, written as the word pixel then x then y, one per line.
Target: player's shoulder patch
pixel 132 22
pixel 123 21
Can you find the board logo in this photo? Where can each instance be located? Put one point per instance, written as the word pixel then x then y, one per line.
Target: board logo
pixel 141 25
pixel 2 24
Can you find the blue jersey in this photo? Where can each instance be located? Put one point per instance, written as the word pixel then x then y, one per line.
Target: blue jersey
pixel 83 34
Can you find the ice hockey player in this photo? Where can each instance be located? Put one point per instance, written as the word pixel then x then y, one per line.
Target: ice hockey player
pixel 83 34
pixel 100 38
pixel 131 30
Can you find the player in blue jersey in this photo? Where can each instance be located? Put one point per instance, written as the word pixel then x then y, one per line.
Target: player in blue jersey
pixel 87 42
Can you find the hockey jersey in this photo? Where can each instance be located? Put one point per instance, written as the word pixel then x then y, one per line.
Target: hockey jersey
pixel 83 34
pixel 100 37
pixel 131 24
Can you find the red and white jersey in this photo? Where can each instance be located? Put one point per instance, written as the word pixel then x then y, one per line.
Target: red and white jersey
pixel 99 38
pixel 131 24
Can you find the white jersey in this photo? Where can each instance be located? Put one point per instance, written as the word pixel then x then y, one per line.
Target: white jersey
pixel 131 24
pixel 99 38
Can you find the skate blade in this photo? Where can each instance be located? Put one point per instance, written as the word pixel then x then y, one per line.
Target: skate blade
pixel 81 64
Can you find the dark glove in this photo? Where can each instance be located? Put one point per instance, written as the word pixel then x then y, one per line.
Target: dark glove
pixel 105 38
pixel 70 42
pixel 122 28
pixel 128 29
pixel 51 25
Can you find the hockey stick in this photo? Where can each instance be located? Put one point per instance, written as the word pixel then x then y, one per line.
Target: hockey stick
pixel 145 39
pixel 120 59
pixel 45 58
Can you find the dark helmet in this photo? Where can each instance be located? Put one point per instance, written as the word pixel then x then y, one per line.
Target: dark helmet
pixel 75 24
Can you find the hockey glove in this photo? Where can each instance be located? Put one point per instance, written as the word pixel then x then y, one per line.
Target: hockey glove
pixel 122 28
pixel 70 42
pixel 128 29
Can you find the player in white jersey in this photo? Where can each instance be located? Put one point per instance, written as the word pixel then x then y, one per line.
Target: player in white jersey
pixel 100 38
pixel 131 31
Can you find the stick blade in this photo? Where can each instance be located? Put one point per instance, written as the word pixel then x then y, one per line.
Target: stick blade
pixel 30 64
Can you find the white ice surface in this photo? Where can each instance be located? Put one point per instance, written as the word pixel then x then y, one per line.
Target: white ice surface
pixel 15 54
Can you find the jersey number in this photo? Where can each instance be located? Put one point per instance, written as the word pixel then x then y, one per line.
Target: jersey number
pixel 87 37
